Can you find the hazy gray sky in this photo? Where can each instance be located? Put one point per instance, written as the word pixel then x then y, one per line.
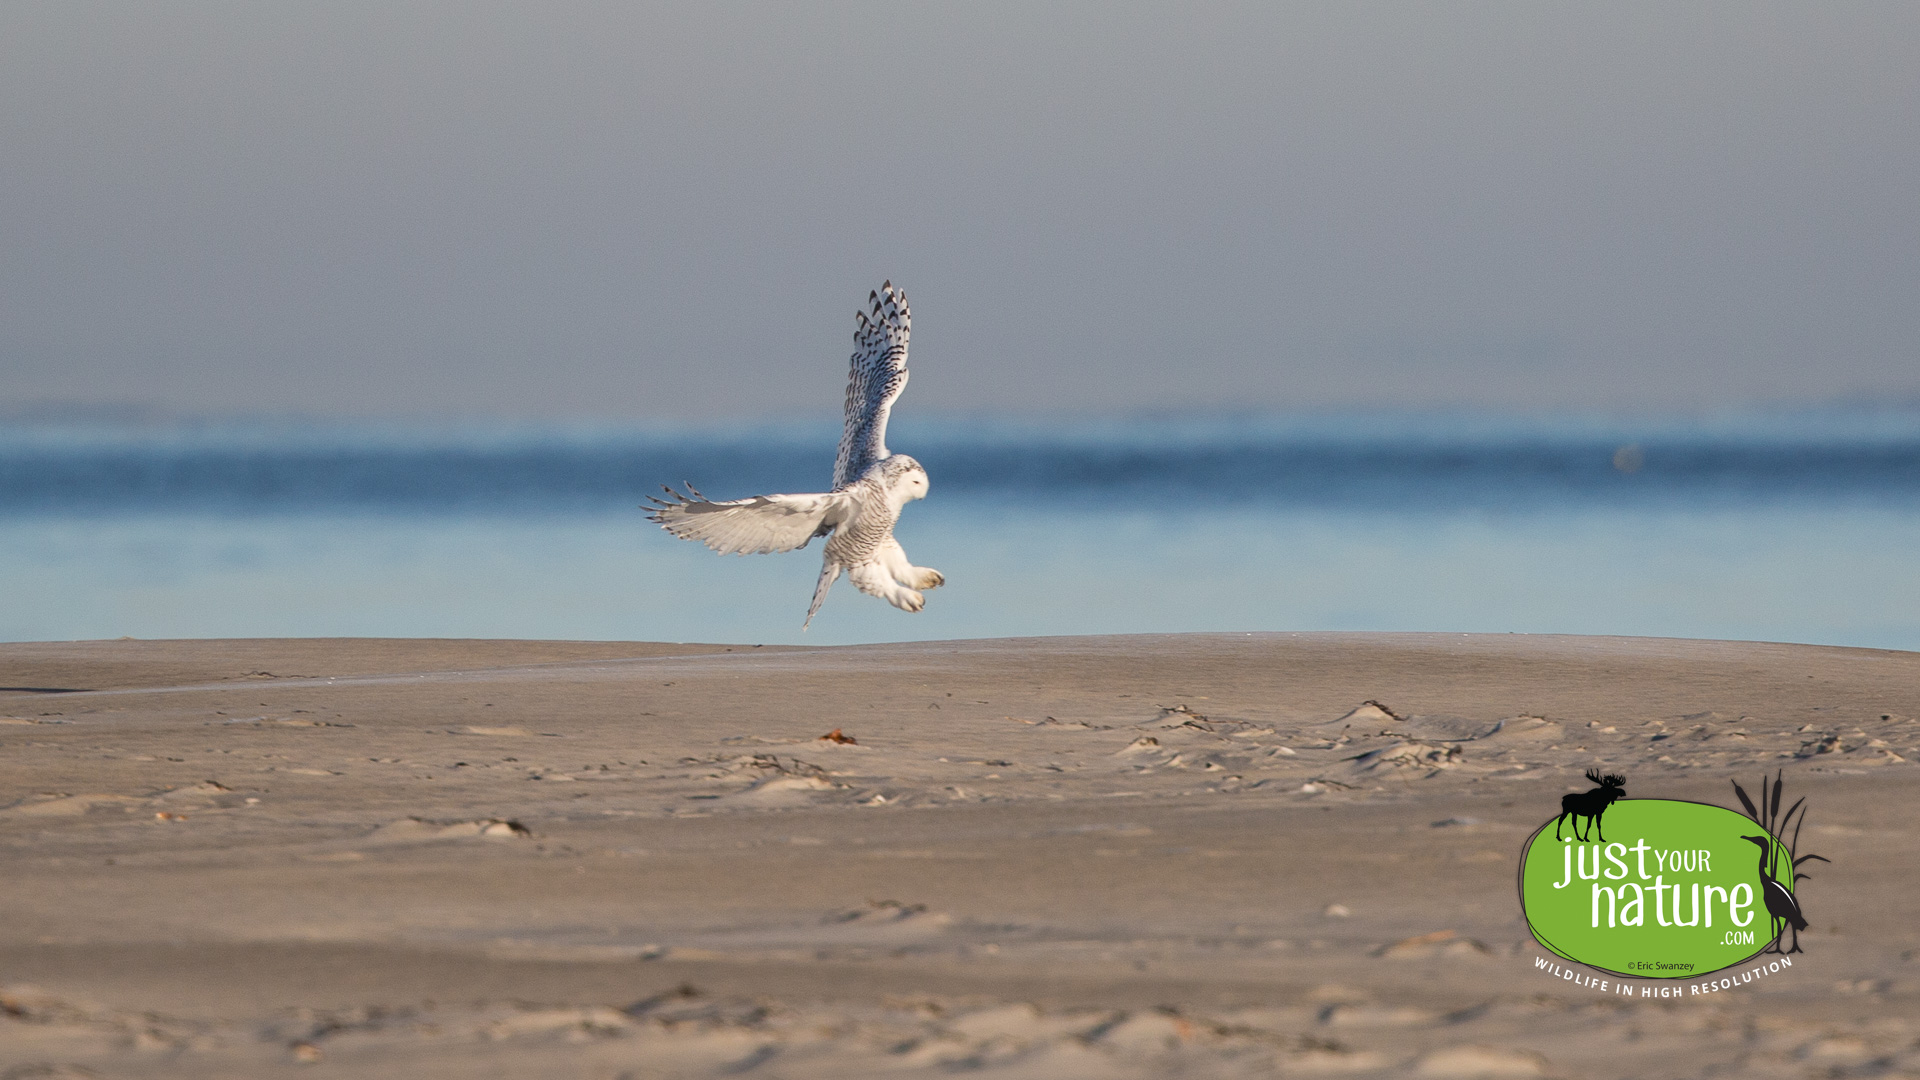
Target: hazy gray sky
pixel 558 209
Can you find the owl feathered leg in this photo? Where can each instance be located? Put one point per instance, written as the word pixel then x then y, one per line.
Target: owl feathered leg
pixel 874 579
pixel 894 557
pixel 829 572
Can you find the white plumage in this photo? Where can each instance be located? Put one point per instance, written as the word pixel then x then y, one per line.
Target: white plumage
pixel 870 485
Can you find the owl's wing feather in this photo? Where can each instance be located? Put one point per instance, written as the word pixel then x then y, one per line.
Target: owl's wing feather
pixel 877 374
pixel 752 526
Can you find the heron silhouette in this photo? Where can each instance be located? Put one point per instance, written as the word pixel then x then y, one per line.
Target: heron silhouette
pixel 1781 905
pixel 1780 901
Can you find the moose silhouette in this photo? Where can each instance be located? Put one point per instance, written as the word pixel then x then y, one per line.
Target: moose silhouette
pixel 1590 805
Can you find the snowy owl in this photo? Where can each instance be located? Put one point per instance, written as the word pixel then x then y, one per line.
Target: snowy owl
pixel 870 485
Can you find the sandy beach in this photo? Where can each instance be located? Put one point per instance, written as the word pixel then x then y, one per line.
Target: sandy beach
pixel 1154 856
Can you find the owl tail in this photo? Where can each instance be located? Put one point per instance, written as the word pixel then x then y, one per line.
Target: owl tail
pixel 829 571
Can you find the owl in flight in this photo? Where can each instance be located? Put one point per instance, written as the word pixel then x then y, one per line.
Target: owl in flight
pixel 870 485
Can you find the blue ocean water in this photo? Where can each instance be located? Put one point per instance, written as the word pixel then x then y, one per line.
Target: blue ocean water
pixel 1801 527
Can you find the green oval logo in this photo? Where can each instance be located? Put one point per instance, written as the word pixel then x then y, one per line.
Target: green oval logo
pixel 1675 889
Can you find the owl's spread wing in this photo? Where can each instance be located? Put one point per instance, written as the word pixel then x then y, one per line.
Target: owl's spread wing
pixel 752 526
pixel 877 375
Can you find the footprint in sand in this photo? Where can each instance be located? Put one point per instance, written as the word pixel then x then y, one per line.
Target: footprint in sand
pixel 1376 1016
pixel 1481 1061
pixel 410 830
pixel 782 791
pixel 882 921
pixel 64 805
pixel 1407 757
pixel 1530 729
pixel 1446 943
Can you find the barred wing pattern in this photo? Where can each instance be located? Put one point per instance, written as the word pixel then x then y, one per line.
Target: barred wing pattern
pixel 870 485
pixel 755 526
pixel 877 374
